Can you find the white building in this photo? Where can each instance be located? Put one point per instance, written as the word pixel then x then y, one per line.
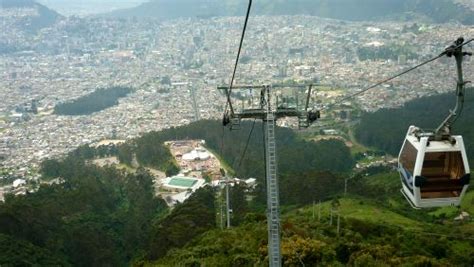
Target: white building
pixel 18 182
pixel 197 154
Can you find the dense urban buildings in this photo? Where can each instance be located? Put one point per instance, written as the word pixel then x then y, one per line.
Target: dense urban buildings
pixel 175 66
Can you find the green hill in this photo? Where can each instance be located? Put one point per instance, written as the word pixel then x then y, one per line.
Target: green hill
pixel 370 235
pixel 107 216
pixel 439 11
pixel 307 168
pixel 377 228
pixel 96 217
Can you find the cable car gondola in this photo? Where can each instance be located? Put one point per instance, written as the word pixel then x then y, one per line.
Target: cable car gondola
pixel 433 166
pixel 433 173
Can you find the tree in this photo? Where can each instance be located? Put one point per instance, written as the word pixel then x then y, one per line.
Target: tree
pixel 98 100
pixel 188 220
pixel 98 216
pixel 238 203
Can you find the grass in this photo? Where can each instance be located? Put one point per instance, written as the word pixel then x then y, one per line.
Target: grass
pixel 467 205
pixel 365 210
pixel 126 168
pixel 385 180
pixel 360 209
pixel 229 170
pixel 449 212
pixel 468 202
pixel 415 224
pixel 356 146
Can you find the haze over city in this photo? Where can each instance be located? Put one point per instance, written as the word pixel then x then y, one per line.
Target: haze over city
pixel 89 7
pixel 347 139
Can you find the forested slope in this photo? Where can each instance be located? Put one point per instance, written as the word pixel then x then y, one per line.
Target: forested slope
pixel 93 216
pixel 294 153
pixel 386 128
pixel 309 170
pixel 104 216
pixel 96 217
pixel 377 228
pixel 101 216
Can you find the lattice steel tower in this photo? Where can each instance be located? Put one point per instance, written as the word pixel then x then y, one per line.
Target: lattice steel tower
pixel 269 110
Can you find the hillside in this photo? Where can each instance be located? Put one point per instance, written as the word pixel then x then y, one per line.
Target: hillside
pixel 386 128
pixel 378 228
pixel 380 231
pixel 438 11
pixel 96 216
pixel 29 16
pixel 295 155
pixel 307 168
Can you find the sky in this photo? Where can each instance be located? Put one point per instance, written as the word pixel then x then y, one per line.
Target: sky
pixel 88 7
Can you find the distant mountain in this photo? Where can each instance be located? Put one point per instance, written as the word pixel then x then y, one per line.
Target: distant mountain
pixel 16 3
pixel 43 17
pixel 88 7
pixel 439 11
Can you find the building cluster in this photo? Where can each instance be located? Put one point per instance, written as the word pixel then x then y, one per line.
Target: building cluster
pixel 465 3
pixel 175 67
pixel 198 167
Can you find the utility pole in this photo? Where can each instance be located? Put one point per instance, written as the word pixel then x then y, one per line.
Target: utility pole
pixel 269 113
pixel 227 201
pixel 227 198
pixel 345 182
pixel 330 217
pixel 222 216
pixel 335 209
pixel 319 211
pixel 345 186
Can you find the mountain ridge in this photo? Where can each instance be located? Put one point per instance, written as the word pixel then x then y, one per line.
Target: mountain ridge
pixel 45 17
pixel 439 11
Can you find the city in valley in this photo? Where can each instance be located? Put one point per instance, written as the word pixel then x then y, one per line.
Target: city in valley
pixel 236 133
pixel 173 68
